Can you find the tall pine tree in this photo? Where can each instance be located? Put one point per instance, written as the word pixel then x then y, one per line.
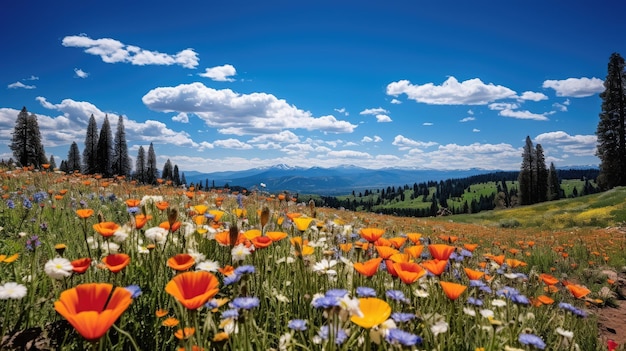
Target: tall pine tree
pixel 176 176
pixel 121 161
pixel 105 149
pixel 542 174
pixel 73 159
pixel 526 175
pixel 152 172
pixel 168 171
pixel 90 154
pixel 26 140
pixel 611 148
pixel 554 184
pixel 140 165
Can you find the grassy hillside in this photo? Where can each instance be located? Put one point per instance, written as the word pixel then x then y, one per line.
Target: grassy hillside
pixel 601 210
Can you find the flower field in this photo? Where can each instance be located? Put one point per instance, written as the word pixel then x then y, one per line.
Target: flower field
pixel 105 264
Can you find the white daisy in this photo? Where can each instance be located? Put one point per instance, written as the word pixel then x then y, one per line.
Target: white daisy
pixel 209 266
pixel 58 268
pixel 12 290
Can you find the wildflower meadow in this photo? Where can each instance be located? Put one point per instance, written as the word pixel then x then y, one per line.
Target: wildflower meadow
pixel 106 264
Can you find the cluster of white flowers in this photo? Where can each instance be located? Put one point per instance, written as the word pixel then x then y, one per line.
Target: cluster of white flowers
pixel 148 199
pixel 157 235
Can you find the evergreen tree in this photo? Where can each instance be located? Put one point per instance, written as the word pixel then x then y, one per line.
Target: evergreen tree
pixel 90 154
pixel 152 172
pixel 63 166
pixel 121 161
pixel 176 176
pixel 73 159
pixel 554 184
pixel 183 180
pixel 26 140
pixel 168 171
pixel 527 174
pixel 105 150
pixel 611 148
pixel 140 165
pixel 542 175
pixel 52 163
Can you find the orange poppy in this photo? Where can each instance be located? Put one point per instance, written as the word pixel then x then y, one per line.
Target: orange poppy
pixel 161 313
pixel 400 257
pixel 141 220
pixel 375 311
pixel 414 251
pixel 385 251
pixel 261 242
pixel 81 265
pixel 578 291
pixel 371 234
pixel 252 233
pixel 409 272
pixel 514 263
pixel 227 270
pixel 414 237
pixel 345 247
pixel 368 268
pixel 116 262
pixel 162 205
pixel 93 308
pixel 276 236
pixel 185 333
pixel 473 274
pixel 193 347
pixel 548 279
pixel 302 223
pixel 440 251
pixel 84 212
pixel 391 269
pixel 382 242
pixel 497 259
pixel 546 300
pixel 470 247
pixel 106 229
pixel 166 225
pixel 435 267
pixel 132 202
pixel 449 238
pixel 181 262
pixel 452 290
pixel 217 214
pixel 306 250
pixel 193 289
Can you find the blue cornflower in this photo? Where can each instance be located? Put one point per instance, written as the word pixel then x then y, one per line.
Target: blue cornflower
pixel 231 279
pixel 340 334
pixel 364 291
pixel 39 196
pixel 246 303
pixel 230 314
pixel 43 226
pixel 240 200
pixel 10 204
pixel 209 216
pixel 466 253
pixel 112 197
pixel 338 293
pixel 396 295
pixel 325 302
pixel 456 257
pixel 134 290
pixel 398 336
pixel 477 283
pixel 27 204
pixel 519 298
pixel 531 339
pixel 211 304
pixel 571 308
pixel 297 324
pixel 133 210
pixel 32 243
pixel 400 317
pixel 246 269
pixel 474 301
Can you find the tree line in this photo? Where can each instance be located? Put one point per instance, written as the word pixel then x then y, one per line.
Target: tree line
pixel 104 154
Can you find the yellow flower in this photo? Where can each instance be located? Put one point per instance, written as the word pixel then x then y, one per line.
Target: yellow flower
pixel 374 310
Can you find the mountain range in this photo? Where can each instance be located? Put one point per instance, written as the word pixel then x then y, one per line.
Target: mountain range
pixel 325 181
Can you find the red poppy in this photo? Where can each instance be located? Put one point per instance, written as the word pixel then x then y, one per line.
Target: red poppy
pixel 116 262
pixel 193 289
pixel 81 265
pixel 181 262
pixel 261 242
pixel 368 268
pixel 93 308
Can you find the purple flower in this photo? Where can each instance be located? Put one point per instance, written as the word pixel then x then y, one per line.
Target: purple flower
pixel 246 269
pixel 396 295
pixel 398 336
pixel 325 302
pixel 400 317
pixel 531 339
pixel 133 210
pixel 297 324
pixel 230 314
pixel 10 204
pixel 474 301
pixel 134 290
pixel 231 279
pixel 339 334
pixel 32 243
pixel 571 308
pixel 246 303
pixel 338 293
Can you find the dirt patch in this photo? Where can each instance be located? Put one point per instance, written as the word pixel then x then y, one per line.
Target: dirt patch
pixel 612 323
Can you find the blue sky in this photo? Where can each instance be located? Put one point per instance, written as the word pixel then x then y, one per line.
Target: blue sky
pixel 236 85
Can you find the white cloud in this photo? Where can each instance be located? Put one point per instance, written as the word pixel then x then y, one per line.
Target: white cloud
pixel 220 73
pixel 80 73
pixel 32 77
pixel 342 111
pixel 20 85
pixel 467 119
pixel 113 51
pixel 374 111
pixel 182 117
pixel 475 130
pixel 427 124
pixel 396 101
pixel 523 115
pixel 232 144
pixel 240 114
pixel 576 87
pixel 533 96
pixel 404 143
pixel 560 107
pixel 375 139
pixel 451 92
pixel 498 106
pixel 383 118
pixel 470 112
pixel 565 144
pixel 285 136
pixel 351 154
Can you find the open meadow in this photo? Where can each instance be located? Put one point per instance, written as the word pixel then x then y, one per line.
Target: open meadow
pixel 106 264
